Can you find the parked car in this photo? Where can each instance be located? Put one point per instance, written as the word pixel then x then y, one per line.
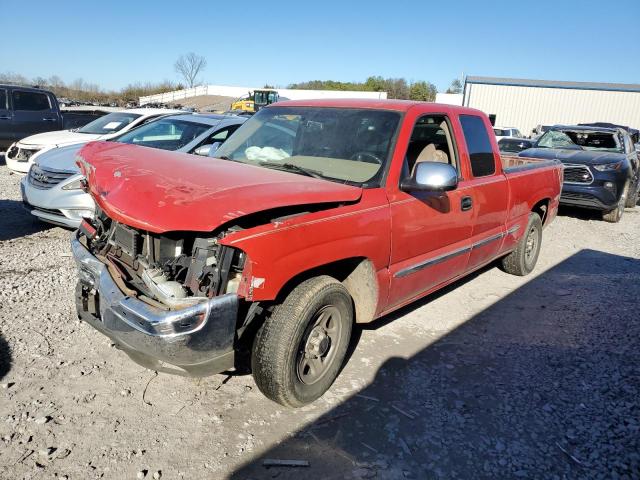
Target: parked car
pixel 53 189
pixel 601 169
pixel 21 155
pixel 510 145
pixel 502 132
pixel 26 111
pixel 315 215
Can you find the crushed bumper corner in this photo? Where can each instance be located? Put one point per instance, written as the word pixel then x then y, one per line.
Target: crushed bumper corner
pixel 193 341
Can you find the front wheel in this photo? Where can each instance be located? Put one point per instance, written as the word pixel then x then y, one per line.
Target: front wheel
pixel 523 259
pixel 614 216
pixel 298 351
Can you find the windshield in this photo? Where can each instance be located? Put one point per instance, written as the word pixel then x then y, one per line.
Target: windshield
pixel 111 123
pixel 338 144
pixel 167 134
pixel 581 140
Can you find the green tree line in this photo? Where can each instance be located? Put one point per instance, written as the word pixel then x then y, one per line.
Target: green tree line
pixel 397 88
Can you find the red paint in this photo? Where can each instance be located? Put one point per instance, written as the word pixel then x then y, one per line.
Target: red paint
pixel 161 191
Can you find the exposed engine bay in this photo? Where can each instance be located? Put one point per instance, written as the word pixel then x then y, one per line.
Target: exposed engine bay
pixel 173 270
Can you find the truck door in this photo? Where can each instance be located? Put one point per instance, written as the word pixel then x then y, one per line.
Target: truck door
pixel 430 232
pixel 6 120
pixel 489 191
pixel 33 112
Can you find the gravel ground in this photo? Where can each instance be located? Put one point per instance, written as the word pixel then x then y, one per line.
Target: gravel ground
pixel 497 377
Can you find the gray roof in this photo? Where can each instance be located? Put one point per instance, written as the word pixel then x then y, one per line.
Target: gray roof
pixel 523 82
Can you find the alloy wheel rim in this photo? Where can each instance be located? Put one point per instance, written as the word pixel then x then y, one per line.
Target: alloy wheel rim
pixel 531 245
pixel 318 347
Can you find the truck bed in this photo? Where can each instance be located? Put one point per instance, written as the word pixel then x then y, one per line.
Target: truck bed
pixel 513 163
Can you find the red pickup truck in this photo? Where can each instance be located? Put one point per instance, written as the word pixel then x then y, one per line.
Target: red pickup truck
pixel 313 216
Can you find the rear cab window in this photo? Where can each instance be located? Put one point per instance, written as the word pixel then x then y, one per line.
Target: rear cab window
pixel 478 144
pixel 3 99
pixel 30 101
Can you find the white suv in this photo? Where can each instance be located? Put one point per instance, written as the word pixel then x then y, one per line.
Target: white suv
pixel 502 132
pixel 20 155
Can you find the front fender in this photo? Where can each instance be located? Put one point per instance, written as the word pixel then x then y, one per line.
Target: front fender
pixel 278 253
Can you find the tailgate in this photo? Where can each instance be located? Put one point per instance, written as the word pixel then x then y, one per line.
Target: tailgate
pixel 531 180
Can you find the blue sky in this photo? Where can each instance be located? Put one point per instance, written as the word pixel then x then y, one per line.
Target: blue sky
pixel 251 43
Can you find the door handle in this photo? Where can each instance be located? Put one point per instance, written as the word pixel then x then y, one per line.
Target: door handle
pixel 466 203
pixel 48 119
pixel 5 117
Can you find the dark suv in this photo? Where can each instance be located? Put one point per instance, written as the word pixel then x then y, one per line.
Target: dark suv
pixel 601 166
pixel 26 111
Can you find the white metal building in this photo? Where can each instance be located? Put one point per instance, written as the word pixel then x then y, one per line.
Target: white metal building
pixel 449 98
pixel 236 92
pixel 526 103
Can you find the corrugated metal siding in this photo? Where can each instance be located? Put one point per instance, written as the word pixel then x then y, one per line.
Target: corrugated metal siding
pixel 526 107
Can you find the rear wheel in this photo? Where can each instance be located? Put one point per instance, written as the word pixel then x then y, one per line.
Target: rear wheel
pixel 523 259
pixel 614 216
pixel 298 351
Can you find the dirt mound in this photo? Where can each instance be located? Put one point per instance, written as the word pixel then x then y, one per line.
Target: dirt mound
pixel 206 103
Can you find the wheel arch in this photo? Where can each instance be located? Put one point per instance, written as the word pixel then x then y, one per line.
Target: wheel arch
pixel 357 274
pixel 542 209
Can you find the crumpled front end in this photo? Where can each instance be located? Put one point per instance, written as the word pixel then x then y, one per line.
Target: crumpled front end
pixel 169 305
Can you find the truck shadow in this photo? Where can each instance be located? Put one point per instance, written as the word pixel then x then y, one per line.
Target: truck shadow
pixel 541 384
pixel 17 221
pixel 579 213
pixel 5 357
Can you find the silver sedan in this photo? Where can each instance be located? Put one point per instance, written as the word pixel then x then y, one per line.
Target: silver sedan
pixel 53 190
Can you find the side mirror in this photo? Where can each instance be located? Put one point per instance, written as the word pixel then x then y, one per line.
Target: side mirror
pixel 203 150
pixel 431 176
pixel 214 148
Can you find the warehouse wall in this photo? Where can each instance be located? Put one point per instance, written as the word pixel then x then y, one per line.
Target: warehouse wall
pixel 526 107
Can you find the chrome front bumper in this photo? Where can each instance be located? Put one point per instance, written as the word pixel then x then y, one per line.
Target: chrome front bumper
pixel 197 340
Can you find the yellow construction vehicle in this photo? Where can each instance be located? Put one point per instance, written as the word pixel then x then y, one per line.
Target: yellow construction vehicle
pixel 254 101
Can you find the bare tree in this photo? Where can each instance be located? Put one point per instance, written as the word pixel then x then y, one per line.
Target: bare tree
pixel 455 87
pixel 190 66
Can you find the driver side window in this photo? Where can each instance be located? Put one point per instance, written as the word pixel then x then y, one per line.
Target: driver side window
pixel 431 141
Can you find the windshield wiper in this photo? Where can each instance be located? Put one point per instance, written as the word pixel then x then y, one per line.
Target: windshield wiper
pixel 290 167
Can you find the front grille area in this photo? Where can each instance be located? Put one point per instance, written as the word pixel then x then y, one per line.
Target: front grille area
pixel 12 152
pixel 47 210
pixel 577 174
pixel 45 178
pixel 21 154
pixel 575 196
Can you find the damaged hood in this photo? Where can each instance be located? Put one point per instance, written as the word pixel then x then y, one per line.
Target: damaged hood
pixel 56 139
pixel 62 158
pixel 162 191
pixel 585 157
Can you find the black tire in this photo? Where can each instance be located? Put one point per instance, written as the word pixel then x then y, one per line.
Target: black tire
pixel 523 259
pixel 292 362
pixel 632 195
pixel 614 216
